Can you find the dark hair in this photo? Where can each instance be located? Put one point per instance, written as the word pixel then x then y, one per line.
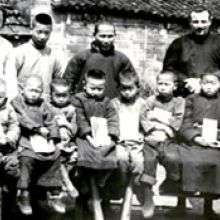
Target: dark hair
pixel 59 82
pixel 96 29
pixel 42 18
pixel 95 74
pixel 216 73
pixel 129 76
pixel 32 76
pixel 170 73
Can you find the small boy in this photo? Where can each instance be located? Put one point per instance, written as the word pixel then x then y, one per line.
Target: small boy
pixel 199 153
pixel 160 121
pixel 39 159
pixel 98 129
pixel 129 107
pixel 9 134
pixel 65 116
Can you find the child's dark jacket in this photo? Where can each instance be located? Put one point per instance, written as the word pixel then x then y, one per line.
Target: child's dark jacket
pixel 198 107
pixel 200 165
pixel 31 118
pixel 102 158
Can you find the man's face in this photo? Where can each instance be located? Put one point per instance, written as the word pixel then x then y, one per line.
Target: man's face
pixel 105 36
pixel 41 34
pixel 200 22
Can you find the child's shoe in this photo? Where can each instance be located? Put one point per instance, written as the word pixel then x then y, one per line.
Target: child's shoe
pixel 55 202
pixel 148 206
pixel 24 202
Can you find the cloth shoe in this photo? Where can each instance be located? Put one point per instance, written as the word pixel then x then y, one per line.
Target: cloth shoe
pixel 23 202
pixel 148 206
pixel 55 202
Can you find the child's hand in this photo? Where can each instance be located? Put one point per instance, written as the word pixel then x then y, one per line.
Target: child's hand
pixel 158 136
pixel 61 120
pixel 150 115
pixel 64 134
pixel 201 141
pixel 3 140
pixel 44 131
pixel 92 141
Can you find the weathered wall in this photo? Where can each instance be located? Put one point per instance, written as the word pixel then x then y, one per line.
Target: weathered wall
pixel 143 41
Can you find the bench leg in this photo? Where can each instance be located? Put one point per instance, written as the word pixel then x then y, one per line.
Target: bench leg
pixel 96 202
pixel 127 202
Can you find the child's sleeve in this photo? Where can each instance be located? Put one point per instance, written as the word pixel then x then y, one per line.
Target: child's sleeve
pixel 177 118
pixel 83 124
pixel 146 124
pixel 188 131
pixel 70 122
pixel 113 121
pixel 13 131
pixel 49 121
pixel 24 121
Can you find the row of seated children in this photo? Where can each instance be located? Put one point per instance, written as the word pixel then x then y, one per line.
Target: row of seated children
pixel 157 121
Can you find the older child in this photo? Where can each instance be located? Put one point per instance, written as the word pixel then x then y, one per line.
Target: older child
pixel 129 107
pixel 201 161
pixel 39 160
pixel 97 128
pixel 160 121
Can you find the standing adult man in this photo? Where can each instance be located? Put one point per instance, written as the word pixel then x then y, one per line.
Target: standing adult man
pixel 195 53
pixel 103 56
pixel 33 57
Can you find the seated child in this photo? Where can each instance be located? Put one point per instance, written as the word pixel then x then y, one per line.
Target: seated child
pixel 199 154
pixel 39 159
pixel 129 106
pixel 9 134
pixel 65 118
pixel 160 121
pixel 98 129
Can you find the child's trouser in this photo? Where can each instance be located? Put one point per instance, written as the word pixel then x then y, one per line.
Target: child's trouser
pixel 42 173
pixel 167 154
pixel 130 157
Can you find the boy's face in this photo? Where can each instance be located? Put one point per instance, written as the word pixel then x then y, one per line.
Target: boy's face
pixel 32 90
pixel 95 87
pixel 165 85
pixel 41 34
pixel 60 95
pixel 210 85
pixel 105 36
pixel 200 22
pixel 128 90
pixel 2 95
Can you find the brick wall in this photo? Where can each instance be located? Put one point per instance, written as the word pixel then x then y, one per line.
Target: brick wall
pixel 143 41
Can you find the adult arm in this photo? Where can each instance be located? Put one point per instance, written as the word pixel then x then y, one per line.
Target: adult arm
pixel 74 70
pixel 188 130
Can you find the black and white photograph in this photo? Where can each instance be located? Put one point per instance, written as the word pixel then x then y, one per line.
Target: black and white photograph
pixel 109 109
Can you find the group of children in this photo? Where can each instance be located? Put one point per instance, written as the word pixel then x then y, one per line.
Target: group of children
pixel 98 135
